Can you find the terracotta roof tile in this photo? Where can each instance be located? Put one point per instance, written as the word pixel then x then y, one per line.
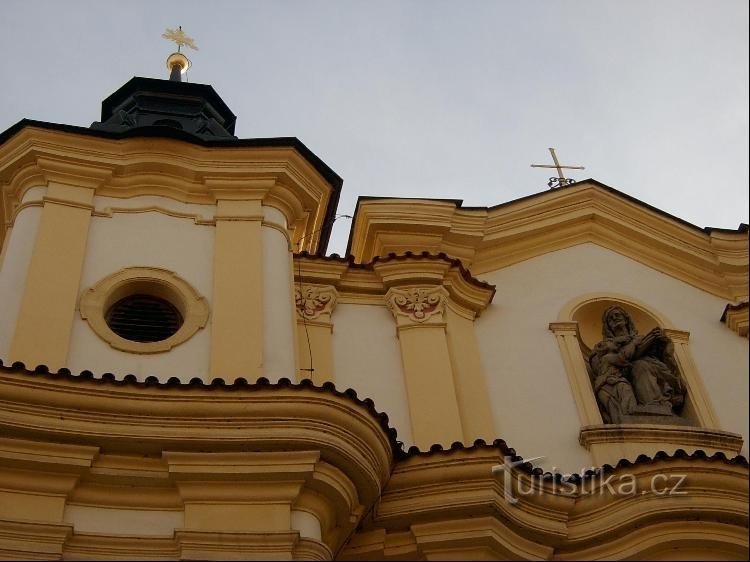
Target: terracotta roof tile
pixel 392 256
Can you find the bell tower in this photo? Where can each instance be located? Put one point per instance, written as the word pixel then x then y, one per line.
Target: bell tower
pixel 156 242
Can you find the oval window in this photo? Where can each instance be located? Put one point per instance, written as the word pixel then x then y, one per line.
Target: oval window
pixel 143 318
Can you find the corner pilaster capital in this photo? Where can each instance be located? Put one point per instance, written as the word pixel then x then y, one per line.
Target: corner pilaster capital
pixel 564 328
pixel 241 477
pixel 315 302
pixel 466 294
pixel 417 304
pixel 736 318
pixel 677 336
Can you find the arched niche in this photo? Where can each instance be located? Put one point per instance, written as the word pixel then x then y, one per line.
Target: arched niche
pixel 578 329
pixel 587 311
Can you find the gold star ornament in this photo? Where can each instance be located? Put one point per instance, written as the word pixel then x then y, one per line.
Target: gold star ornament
pixel 179 37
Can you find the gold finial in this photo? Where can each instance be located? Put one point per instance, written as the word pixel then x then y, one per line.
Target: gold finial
pixel 178 63
pixel 179 37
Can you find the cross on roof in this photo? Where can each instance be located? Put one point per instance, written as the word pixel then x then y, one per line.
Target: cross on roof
pixel 560 180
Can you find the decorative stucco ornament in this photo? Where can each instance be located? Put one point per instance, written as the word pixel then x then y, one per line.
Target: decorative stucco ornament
pixel 312 301
pixel 416 303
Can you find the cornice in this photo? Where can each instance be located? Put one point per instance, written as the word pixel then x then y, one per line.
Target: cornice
pixel 99 546
pixel 173 397
pixel 652 433
pixel 724 541
pixel 355 281
pixel 341 446
pixel 28 540
pixel 64 458
pixel 278 173
pixel 570 515
pixel 150 417
pixel 736 317
pixel 487 239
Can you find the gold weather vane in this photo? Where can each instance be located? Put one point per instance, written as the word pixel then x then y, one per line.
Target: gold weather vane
pixel 178 63
pixel 560 180
pixel 179 37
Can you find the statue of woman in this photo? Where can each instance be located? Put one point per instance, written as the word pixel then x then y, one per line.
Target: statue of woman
pixel 634 373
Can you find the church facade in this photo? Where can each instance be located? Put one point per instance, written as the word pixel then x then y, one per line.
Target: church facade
pixel 186 373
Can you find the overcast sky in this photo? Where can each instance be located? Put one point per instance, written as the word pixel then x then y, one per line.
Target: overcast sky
pixel 443 99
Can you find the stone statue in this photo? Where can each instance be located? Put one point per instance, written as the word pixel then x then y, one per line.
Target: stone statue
pixel 635 377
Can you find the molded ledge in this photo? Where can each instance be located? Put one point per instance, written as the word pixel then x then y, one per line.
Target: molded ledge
pixel 611 442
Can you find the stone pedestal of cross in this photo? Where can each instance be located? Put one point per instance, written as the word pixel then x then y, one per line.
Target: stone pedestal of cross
pixel 560 180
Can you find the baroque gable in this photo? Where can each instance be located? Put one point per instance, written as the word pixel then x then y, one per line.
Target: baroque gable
pixel 491 238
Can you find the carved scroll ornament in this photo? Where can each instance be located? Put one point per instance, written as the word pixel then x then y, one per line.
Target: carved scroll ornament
pixel 418 304
pixel 312 301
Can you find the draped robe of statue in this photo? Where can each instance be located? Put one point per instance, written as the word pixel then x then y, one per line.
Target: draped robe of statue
pixel 634 374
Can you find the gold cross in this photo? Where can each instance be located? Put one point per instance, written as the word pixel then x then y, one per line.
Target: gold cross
pixel 179 37
pixel 560 179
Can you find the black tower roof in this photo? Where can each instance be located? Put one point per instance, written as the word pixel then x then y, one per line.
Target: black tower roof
pixel 147 102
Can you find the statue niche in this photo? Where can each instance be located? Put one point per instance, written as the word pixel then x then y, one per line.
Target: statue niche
pixel 635 377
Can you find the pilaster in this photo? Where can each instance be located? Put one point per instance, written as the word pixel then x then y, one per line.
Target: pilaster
pixel 420 318
pixel 237 319
pixel 566 334
pixel 434 301
pixel 314 305
pixel 240 505
pixel 48 305
pixel 36 479
pixel 696 392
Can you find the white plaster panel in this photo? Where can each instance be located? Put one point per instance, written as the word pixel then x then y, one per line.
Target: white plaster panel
pixel 278 303
pixel 35 193
pixel 148 239
pixel 113 521
pixel 31 195
pixel 19 246
pixel 367 358
pixel 307 524
pixel 531 398
pixel 274 216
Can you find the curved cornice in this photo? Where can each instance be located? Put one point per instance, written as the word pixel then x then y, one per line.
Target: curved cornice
pixel 282 172
pixel 147 397
pixel 571 517
pixel 60 422
pixel 358 280
pixel 149 417
pixel 487 239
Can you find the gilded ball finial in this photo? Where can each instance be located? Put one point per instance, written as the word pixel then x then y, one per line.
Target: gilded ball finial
pixel 177 62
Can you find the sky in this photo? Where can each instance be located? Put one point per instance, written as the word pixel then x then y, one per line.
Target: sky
pixel 434 99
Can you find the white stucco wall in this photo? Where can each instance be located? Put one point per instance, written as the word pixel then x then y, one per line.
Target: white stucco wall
pixel 147 239
pixel 367 358
pixel 278 301
pixel 18 247
pixel 531 398
pixel 156 239
pixel 119 521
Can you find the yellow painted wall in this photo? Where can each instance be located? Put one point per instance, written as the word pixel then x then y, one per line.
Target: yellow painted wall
pixel 17 255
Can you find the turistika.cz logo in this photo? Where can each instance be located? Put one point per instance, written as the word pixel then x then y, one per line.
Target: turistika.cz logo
pixel 596 482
